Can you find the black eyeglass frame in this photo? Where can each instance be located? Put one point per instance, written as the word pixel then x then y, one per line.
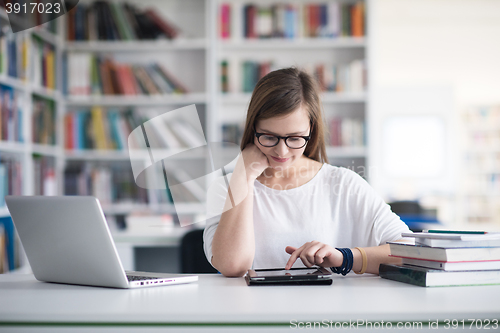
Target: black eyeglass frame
pixel 284 138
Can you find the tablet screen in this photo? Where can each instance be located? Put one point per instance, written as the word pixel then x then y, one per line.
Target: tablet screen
pixel 288 272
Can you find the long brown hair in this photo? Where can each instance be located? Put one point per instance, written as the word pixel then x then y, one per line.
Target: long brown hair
pixel 281 92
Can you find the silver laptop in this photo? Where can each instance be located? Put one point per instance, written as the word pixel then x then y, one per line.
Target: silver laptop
pixel 67 240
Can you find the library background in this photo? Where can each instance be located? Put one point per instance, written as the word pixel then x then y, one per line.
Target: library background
pixel 409 92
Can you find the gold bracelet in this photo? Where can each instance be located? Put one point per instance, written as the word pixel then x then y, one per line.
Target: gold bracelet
pixel 364 260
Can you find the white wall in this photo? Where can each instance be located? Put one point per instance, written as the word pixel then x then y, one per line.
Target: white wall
pixel 430 57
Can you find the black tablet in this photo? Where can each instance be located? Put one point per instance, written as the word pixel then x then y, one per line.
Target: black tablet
pixel 293 276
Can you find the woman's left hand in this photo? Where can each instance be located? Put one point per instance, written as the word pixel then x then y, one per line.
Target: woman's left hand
pixel 314 253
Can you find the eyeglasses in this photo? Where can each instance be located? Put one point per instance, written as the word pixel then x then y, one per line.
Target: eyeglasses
pixel 292 141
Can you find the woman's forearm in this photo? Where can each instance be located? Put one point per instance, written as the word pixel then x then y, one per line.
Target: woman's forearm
pixel 376 255
pixel 233 245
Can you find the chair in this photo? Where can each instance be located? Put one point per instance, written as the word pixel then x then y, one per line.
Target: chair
pixel 406 207
pixel 193 259
pixel 412 213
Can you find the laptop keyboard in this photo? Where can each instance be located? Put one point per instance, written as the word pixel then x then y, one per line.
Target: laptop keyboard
pixel 138 278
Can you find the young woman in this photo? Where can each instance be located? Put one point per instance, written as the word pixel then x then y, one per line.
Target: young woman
pixel 285 201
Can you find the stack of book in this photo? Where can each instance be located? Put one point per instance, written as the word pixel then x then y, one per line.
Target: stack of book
pixel 10 178
pixel 347 132
pixel 11 114
pixel 349 77
pixel 88 74
pixel 43 62
pixel 44 121
pixel 103 20
pixel 10 246
pixel 280 20
pixel 109 129
pixel 112 183
pixel 44 175
pixel 446 258
pixel 14 54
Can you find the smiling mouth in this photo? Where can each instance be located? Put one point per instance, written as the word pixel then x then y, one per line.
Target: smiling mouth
pixel 281 160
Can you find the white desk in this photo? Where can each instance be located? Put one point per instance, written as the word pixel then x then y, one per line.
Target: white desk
pixel 216 304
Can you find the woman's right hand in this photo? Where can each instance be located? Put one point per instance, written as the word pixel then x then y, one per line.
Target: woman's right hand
pixel 255 161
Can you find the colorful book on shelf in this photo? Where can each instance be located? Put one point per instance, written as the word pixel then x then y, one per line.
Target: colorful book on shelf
pixel 45 182
pixel 428 277
pixel 346 19
pixel 107 82
pixel 177 85
pixel 145 81
pixel 117 139
pixel 349 77
pixel 121 23
pixel 80 14
pixel 88 74
pixel 290 24
pixel 357 19
pixel 70 25
pixel 454 266
pixel 11 115
pixel 103 20
pixel 14 51
pixel 224 73
pixel 252 72
pixel 225 21
pixel 44 121
pixel 312 20
pixel 3 253
pixel 99 128
pixel 347 132
pixel 407 250
pixel 9 243
pixel 12 54
pixel 50 67
pixel 168 29
pixel 111 184
pixel 43 60
pixel 264 22
pixel 4 183
pixel 162 84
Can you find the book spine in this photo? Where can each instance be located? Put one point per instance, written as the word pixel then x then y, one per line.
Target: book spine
pixel 403 274
pixel 225 21
pixel 224 76
pixel 9 242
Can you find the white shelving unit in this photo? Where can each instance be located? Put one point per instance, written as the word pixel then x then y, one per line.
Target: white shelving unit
pixel 189 53
pixel 25 151
pixel 194 58
pixel 301 51
pixel 197 43
pixel 26 89
pixel 480 181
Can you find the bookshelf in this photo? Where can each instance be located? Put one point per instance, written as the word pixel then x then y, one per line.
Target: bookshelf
pixel 481 161
pixel 194 57
pixel 30 159
pixel 24 56
pixel 185 57
pixel 331 53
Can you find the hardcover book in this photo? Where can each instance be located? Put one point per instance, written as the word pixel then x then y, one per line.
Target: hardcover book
pixel 428 277
pixel 454 266
pixel 455 239
pixel 405 250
